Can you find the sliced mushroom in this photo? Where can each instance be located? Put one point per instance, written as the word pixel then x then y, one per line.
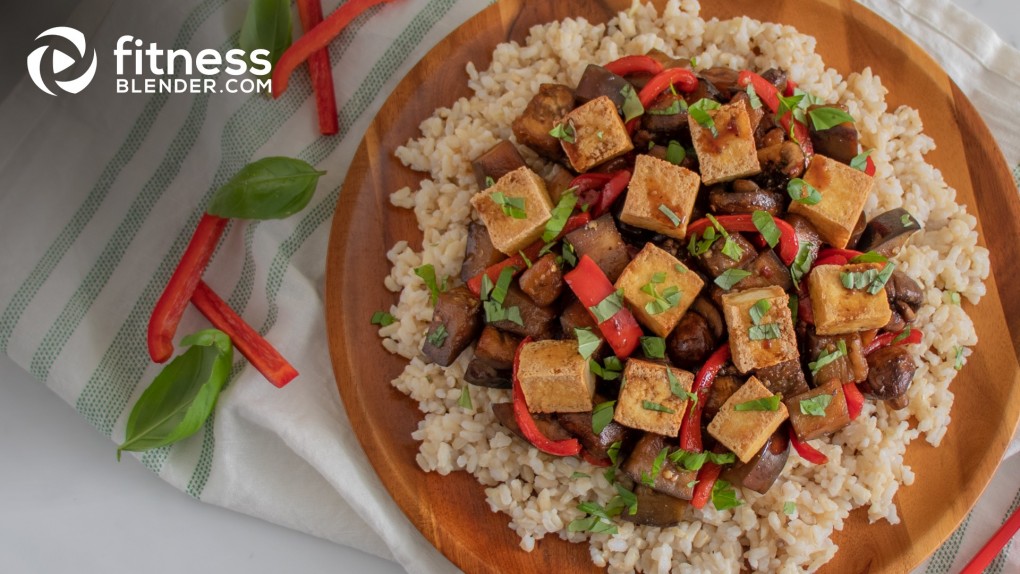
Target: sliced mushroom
pixel 690 342
pixel 891 370
pixel 779 164
pixel 838 142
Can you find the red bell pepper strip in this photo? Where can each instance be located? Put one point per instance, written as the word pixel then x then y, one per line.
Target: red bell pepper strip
pixel 517 261
pixel 690 425
pixel 804 310
pixel 568 447
pixel 601 190
pixel 316 39
pixel 846 254
pixel 319 68
pixel 591 286
pixel 834 259
pixel 170 307
pixel 886 339
pixel 869 166
pixel 806 451
pixel 854 400
pixel 247 340
pixel 628 65
pixel 790 87
pixel 707 475
pixel 590 459
pixel 788 242
pixel 769 95
pixel 681 78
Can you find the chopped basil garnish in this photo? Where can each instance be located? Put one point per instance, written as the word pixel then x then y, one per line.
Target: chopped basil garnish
pixel 563 132
pixel 661 302
pixel 763 332
pixel 906 220
pixel 789 103
pixel 825 118
pixel 660 460
pixel 802 262
pixel 608 307
pixel 489 182
pixel 803 192
pixel 789 508
pixel 951 297
pixel 527 262
pixel 598 520
pixel 676 388
pixel 858 279
pixel 731 249
pixel 654 347
pixel 382 318
pixel 793 304
pixel 697 110
pixel 869 257
pixel 883 277
pixel 624 500
pixel 679 267
pixel 610 370
pixel 673 218
pixel 903 335
pixel 958 364
pixel 512 206
pixel 724 496
pixel 860 161
pixel 673 109
pixel 815 406
pixel 613 452
pixel 693 461
pixel 465 399
pixel 752 94
pixel 428 274
pixel 506 275
pixel 568 254
pixel 601 416
pixel 827 357
pixel 437 336
pixel 731 277
pixel 758 310
pixel 698 247
pixel 765 225
pixel 494 312
pixel 653 406
pixel 632 107
pixel 762 404
pixel 560 215
pixel 675 153
pixel 587 342
pixel 579 474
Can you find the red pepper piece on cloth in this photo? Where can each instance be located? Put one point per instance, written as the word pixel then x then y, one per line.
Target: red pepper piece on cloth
pixel 320 69
pixel 568 447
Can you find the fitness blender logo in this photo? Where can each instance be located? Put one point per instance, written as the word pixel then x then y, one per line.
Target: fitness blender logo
pixel 146 68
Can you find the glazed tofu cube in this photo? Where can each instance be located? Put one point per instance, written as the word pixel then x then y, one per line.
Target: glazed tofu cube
pixel 520 190
pixel 646 401
pixel 555 378
pixel 745 432
pixel 659 192
pixel 844 191
pixel 658 288
pixel 730 154
pixel 839 310
pixel 598 133
pixel 812 418
pixel 767 341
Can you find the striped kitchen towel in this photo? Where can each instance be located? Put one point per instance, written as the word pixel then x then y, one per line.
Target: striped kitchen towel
pixel 101 192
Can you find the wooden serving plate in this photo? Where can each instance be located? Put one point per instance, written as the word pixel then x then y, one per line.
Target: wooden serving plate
pixel 451 511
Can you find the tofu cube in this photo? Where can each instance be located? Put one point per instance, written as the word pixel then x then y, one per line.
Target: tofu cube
pixel 674 292
pixel 844 191
pixel 745 432
pixel 750 352
pixel 839 310
pixel 657 186
pixel 808 426
pixel 598 132
pixel 730 154
pixel 508 233
pixel 646 401
pixel 555 378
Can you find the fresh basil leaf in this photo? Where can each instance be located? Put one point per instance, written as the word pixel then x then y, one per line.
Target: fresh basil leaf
pixel 724 496
pixel 882 278
pixel 825 118
pixel 906 220
pixel 789 103
pixel 513 314
pixel 752 94
pixel 802 262
pixel 560 215
pixel 858 279
pixel 698 112
pixel 654 347
pixel 758 310
pixel 578 474
pixel 951 297
pixel 382 318
pixel 692 461
pixel 677 389
pixel 563 132
pixel 270 188
pixel 825 358
pixel 610 371
pixel 499 291
pixel 958 363
pixel 903 335
pixel 765 225
pixel 731 249
pixel 437 336
pixel 675 154
pixel 869 257
pixel 489 182
pixel 860 161
pixel 427 273
pixel 731 277
pixel 762 404
pixel 763 332
pixel 511 206
pixel 183 394
pixel 625 499
pixel 568 254
pixel 803 192
pixel 601 416
pixel 794 305
pixel 587 342
pixel 657 464
pixel 267 27
pixel 815 406
pixel 487 287
pixel 654 406
pixel 613 452
pixel 632 107
pixel 789 507
pixel 465 399
pixel 673 218
pixel 608 307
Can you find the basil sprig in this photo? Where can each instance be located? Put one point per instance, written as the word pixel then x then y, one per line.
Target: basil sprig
pixel 182 395
pixel 270 188
pixel 266 26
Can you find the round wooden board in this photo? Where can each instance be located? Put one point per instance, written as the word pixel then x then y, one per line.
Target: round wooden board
pixel 451 511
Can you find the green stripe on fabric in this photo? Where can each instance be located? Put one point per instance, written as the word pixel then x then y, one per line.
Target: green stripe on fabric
pixel 942 560
pixel 362 99
pixel 70 233
pixel 997 565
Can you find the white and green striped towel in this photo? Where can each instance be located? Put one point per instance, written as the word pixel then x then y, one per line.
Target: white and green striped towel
pixel 101 192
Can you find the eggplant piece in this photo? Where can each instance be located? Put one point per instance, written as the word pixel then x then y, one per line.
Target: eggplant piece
pixel 497 347
pixel 746 197
pixel 888 232
pixel 761 472
pixel 597 445
pixel 848 368
pixel 755 115
pixel 576 316
pixel 479 252
pixel 546 423
pixel 690 342
pixel 771 135
pixel 532 127
pixel 557 181
pixel 858 229
pixel 717 263
pixel 901 288
pixel 597 81
pixel 601 241
pixel 497 161
pixel 840 142
pixel 767 270
pixel 809 427
pixel 721 390
pixel 671 480
pixel 456 321
pixel 705 90
pixel 482 374
pixel 786 378
pixel 779 164
pixel 662 126
pixel 724 79
pixel 900 402
pixel 656 509
pixel 702 306
pixel 537 321
pixel 891 370
pixel 543 281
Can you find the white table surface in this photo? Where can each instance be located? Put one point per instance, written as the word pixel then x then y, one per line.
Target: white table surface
pixel 69 506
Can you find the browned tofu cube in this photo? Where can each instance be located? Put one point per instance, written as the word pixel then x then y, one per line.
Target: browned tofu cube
pixel 513 231
pixel 598 134
pixel 658 288
pixel 646 400
pixel 839 310
pixel 555 378
pixel 813 418
pixel 844 191
pixel 767 341
pixel 746 431
pixel 659 192
pixel 730 154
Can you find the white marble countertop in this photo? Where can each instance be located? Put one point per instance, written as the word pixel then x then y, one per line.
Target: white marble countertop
pixel 62 478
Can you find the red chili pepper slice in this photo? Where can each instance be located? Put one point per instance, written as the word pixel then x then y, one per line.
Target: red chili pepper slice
pixel 247 340
pixel 690 425
pixel 806 451
pixel 319 68
pixel 886 339
pixel 475 283
pixel 707 476
pixel 170 307
pixel 568 447
pixel 591 286
pixel 628 65
pixel 316 39
pixel 788 242
pixel 854 400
